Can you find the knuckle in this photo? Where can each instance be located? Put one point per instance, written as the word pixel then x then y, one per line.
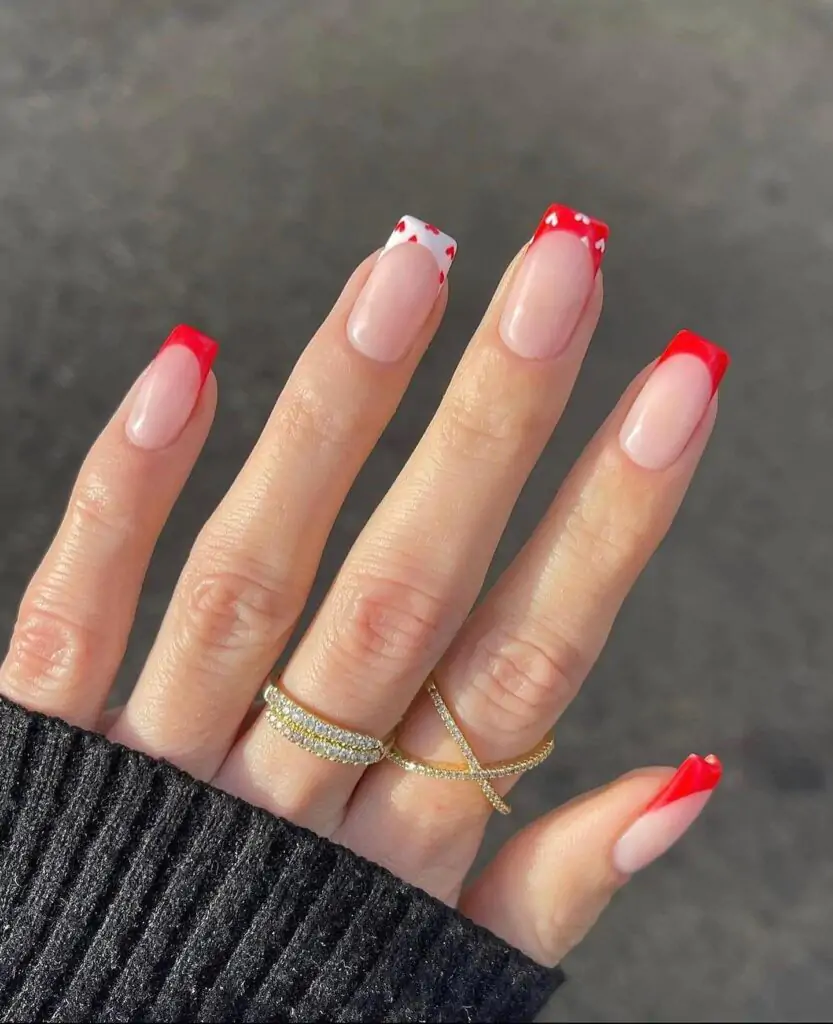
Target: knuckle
pixel 305 418
pixel 517 683
pixel 390 621
pixel 607 540
pixel 50 653
pixel 245 608
pixel 96 511
pixel 482 431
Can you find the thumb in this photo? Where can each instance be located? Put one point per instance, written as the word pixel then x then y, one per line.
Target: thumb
pixel 547 886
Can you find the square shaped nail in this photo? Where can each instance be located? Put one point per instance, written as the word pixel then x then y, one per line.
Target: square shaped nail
pixel 401 291
pixel 673 401
pixel 418 232
pixel 593 233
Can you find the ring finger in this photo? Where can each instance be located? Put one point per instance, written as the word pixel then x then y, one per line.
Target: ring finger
pixel 521 657
pixel 418 566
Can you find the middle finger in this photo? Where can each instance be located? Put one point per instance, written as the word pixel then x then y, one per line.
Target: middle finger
pixel 419 564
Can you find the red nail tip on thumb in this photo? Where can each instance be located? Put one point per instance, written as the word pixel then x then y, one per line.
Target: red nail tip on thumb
pixel 695 775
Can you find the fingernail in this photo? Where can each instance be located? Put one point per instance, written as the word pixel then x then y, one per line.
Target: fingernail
pixel 401 290
pixel 674 399
pixel 553 283
pixel 170 389
pixel 669 815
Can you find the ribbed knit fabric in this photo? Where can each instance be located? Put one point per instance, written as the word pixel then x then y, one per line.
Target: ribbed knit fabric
pixel 131 892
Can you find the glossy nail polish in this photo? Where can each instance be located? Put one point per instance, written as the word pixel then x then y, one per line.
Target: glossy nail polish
pixel 413 231
pixel 552 284
pixel 673 401
pixel 401 290
pixel 170 388
pixel 669 815
pixel 592 233
pixel 716 360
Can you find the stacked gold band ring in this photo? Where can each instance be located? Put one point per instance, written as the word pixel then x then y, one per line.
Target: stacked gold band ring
pixel 482 774
pixel 333 742
pixel 319 736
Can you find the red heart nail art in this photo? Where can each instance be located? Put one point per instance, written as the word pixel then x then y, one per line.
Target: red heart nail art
pixel 442 247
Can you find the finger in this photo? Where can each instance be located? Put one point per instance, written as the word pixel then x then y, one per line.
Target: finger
pixel 419 564
pixel 110 715
pixel 247 579
pixel 77 612
pixel 547 886
pixel 524 653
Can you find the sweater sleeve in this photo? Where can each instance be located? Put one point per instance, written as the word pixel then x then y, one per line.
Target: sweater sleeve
pixel 129 891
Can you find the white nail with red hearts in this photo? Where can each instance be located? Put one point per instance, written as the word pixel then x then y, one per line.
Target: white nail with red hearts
pixel 415 231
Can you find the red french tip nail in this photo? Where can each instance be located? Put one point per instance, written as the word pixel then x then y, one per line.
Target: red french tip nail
pixel 594 233
pixel 695 775
pixel 688 343
pixel 203 347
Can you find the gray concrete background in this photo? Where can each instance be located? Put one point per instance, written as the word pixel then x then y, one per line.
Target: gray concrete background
pixel 227 163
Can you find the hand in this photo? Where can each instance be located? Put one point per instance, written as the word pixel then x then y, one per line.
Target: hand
pixel 400 607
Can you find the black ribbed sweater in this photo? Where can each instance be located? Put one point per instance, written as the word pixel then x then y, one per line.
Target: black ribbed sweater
pixel 131 892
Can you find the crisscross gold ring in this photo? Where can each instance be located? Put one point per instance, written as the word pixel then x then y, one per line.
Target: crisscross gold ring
pixel 473 770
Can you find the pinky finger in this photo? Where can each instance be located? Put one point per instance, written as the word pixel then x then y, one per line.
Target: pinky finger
pixel 547 886
pixel 77 611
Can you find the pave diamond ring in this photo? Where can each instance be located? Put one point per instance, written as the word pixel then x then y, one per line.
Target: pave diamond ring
pixel 325 739
pixel 473 770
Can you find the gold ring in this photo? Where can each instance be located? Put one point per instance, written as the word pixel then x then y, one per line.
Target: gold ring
pixel 319 736
pixel 482 774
